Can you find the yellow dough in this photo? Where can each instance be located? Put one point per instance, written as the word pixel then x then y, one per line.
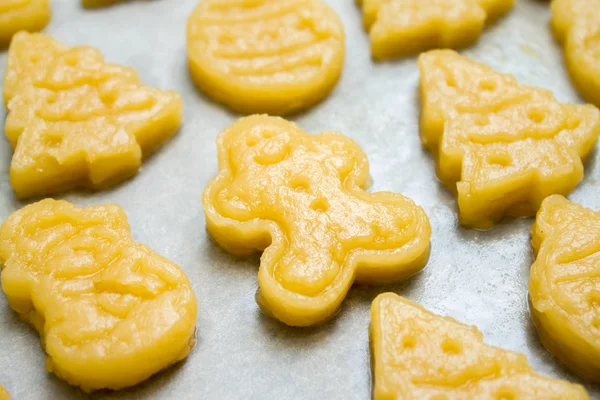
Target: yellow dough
pixel 17 15
pixel 265 56
pixel 420 355
pixel 111 312
pixel 576 25
pixel 4 394
pixel 76 121
pixel 300 198
pixel 99 3
pixel 399 28
pixel 564 286
pixel 502 146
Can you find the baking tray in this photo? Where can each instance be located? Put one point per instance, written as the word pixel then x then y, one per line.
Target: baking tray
pixel 479 278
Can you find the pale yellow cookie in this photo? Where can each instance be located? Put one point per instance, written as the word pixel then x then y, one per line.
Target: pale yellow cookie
pixel 502 146
pixel 19 15
pixel 564 287
pixel 75 120
pixel 265 56
pixel 301 199
pixel 110 312
pixel 420 355
pixel 576 25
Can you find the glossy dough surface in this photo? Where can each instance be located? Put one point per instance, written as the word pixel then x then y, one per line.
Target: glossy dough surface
pixel 17 15
pixel 300 198
pixel 265 56
pixel 110 312
pixel 402 27
pixel 564 286
pixel 576 25
pixel 502 146
pixel 75 120
pixel 420 355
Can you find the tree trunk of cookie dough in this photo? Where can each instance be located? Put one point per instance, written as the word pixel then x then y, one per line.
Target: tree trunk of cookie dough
pixel 481 208
pixel 557 337
pixel 153 133
pixel 30 178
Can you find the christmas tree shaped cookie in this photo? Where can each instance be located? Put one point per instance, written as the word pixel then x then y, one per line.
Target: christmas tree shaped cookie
pixel 564 286
pixel 576 25
pixel 19 15
pixel 300 198
pixel 502 146
pixel 402 27
pixel 111 312
pixel 419 355
pixel 76 121
pixel 268 56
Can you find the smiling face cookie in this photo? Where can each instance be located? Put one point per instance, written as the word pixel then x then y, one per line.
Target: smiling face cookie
pixel 300 198
pixel 110 312
pixel 502 146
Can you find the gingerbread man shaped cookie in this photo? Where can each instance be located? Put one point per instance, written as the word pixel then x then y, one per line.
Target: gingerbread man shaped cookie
pixel 300 198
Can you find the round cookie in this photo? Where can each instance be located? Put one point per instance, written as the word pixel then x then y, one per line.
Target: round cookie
pixel 265 56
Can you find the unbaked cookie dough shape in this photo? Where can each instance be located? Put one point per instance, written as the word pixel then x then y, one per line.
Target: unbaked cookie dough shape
pixel 399 28
pixel 22 15
pixel 503 147
pixel 301 199
pixel 420 355
pixel 4 394
pixel 110 312
pixel 265 56
pixel 564 286
pixel 76 121
pixel 576 25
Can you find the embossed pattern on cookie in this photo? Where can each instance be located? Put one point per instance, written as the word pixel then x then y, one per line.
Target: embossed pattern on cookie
pixel 300 198
pixel 265 56
pixel 420 355
pixel 76 121
pixel 564 285
pixel 502 146
pixel 110 312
